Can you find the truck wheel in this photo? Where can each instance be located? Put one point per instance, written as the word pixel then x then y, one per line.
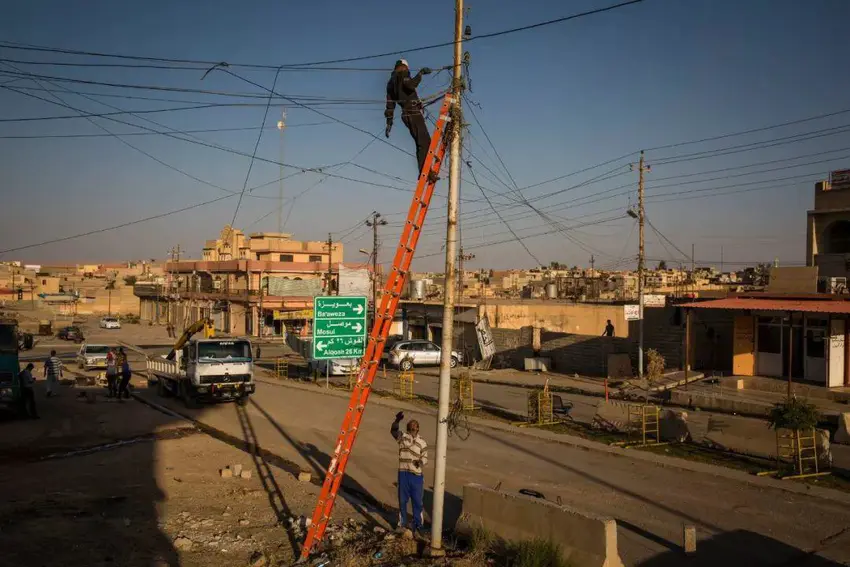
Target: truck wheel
pixel 161 389
pixel 188 399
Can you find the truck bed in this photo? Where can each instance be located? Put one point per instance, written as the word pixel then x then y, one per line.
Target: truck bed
pixel 164 367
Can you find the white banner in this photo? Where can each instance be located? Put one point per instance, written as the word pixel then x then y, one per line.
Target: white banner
pixel 485 338
pixel 654 300
pixel 631 312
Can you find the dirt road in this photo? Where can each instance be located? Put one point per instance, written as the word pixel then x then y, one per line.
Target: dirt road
pixel 751 525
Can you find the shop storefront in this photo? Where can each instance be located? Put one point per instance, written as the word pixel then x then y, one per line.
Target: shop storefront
pixel 801 339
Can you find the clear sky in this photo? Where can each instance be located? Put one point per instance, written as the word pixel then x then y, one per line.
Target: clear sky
pixel 553 100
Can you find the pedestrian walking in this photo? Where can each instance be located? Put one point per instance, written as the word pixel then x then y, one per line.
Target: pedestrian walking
pixel 609 329
pixel 27 383
pixel 126 373
pixel 412 457
pixel 401 90
pixel 53 373
pixel 111 374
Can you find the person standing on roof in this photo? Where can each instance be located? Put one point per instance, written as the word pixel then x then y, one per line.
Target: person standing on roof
pixel 401 90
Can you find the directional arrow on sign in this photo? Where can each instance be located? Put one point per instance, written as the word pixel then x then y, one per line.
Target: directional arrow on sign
pixel 357 327
pixel 320 345
pixel 358 309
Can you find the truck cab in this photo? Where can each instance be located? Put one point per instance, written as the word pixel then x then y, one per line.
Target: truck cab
pixel 210 369
pixel 10 392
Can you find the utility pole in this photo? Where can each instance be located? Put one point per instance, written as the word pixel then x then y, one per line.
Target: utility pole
pixel 449 295
pixel 281 125
pixel 330 250
pixel 721 259
pixel 593 276
pixel 175 253
pixel 461 258
pixel 375 222
pixel 641 261
pixel 693 267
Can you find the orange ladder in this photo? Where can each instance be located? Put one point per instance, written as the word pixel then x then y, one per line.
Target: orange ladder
pixel 381 327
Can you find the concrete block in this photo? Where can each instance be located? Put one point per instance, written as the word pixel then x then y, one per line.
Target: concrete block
pixel 586 540
pixel 842 434
pixel 237 470
pixel 246 475
pixel 689 539
pixel 538 363
pixel 304 476
pixel 226 473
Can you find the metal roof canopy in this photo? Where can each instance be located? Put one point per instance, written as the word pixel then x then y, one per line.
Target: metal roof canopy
pixel 841 307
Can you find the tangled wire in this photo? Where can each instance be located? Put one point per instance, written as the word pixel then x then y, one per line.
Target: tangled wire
pixel 458 421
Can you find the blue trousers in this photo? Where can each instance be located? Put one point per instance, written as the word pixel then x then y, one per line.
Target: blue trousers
pixel 410 487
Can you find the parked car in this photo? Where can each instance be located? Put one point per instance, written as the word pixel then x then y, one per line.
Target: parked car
pixel 71 333
pixel 92 357
pixel 110 323
pixel 335 367
pixel 391 341
pixel 407 354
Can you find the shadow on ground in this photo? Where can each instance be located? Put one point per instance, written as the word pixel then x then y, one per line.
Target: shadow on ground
pixel 78 487
pixel 741 547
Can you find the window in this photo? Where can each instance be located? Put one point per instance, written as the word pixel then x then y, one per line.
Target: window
pixel 431 347
pixel 816 343
pixel 43 282
pixel 315 258
pixel 769 338
pixel 286 258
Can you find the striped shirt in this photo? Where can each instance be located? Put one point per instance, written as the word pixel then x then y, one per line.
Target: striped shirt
pixel 53 367
pixel 412 451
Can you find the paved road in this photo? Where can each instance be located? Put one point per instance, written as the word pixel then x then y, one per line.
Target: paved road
pixel 738 523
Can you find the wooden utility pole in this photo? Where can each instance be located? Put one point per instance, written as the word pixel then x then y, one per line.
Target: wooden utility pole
pixel 449 296
pixel 641 261
pixel 375 222
pixel 461 258
pixel 330 245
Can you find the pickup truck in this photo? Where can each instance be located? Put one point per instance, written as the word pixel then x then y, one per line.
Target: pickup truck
pixel 205 370
pixel 92 357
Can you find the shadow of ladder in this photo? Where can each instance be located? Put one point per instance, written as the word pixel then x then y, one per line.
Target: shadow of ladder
pixel 266 476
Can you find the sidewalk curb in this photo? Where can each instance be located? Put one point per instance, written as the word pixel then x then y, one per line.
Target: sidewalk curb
pixel 587 445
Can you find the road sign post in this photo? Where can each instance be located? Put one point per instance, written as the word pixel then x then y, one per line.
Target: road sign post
pixel 339 327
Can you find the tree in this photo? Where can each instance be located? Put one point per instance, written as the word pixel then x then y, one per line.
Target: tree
pixel 555 265
pixel 761 274
pixel 662 265
pixel 130 280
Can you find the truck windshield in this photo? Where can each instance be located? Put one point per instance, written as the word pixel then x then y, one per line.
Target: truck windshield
pixel 221 350
pixel 97 349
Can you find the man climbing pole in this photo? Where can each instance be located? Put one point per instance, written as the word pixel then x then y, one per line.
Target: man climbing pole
pixel 401 90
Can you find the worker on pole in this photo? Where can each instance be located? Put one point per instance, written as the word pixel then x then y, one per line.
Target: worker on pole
pixel 401 90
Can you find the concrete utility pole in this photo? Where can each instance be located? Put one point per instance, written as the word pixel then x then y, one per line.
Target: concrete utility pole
pixel 375 222
pixel 329 276
pixel 449 295
pixel 641 261
pixel 281 125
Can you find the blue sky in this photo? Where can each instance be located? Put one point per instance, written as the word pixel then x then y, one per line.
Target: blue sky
pixel 553 100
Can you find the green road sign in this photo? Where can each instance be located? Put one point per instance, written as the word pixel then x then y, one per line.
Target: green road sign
pixel 339 327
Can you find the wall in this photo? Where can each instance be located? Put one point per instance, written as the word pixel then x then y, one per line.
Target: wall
pixel 711 336
pixel 580 318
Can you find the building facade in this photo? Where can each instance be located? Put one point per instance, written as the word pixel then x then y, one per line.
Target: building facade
pixel 245 284
pixel 828 227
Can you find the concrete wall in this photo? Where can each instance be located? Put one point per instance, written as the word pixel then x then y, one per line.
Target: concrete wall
pixel 588 319
pixel 586 540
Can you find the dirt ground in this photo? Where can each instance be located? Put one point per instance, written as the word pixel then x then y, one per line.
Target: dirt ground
pixel 125 485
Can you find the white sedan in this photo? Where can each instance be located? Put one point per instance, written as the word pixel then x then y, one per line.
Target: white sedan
pixel 110 323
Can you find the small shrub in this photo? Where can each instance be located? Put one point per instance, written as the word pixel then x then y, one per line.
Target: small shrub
pixel 480 541
pixel 655 365
pixel 793 414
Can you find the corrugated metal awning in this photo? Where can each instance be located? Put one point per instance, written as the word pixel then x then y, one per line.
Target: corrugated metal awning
pixel 840 307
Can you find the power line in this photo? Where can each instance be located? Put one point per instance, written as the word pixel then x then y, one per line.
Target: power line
pixel 115 227
pixel 23 47
pixel 254 153
pixel 520 240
